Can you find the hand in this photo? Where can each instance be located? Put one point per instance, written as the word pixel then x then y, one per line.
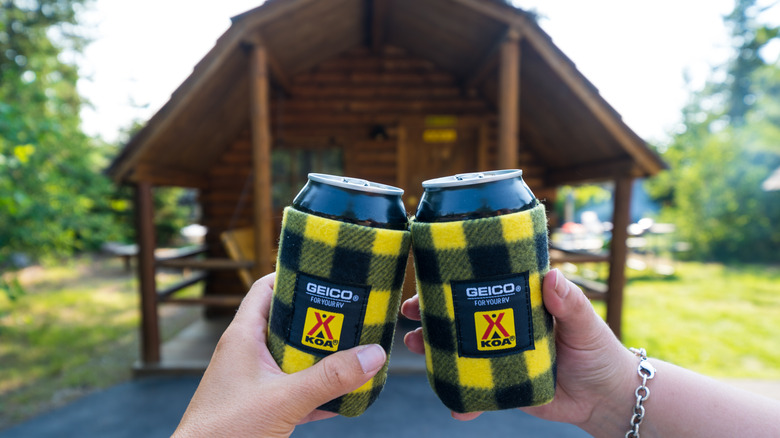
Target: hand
pixel 592 363
pixel 244 393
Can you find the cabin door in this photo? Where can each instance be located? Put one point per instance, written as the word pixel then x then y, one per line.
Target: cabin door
pixel 432 147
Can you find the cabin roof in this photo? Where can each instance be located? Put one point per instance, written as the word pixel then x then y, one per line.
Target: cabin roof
pixel 564 120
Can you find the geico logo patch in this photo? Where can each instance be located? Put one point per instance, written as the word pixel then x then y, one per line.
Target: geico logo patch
pixel 331 292
pixel 493 315
pixel 492 290
pixel 322 329
pixel 327 316
pixel 495 329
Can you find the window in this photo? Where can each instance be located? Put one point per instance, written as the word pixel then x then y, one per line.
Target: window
pixel 291 167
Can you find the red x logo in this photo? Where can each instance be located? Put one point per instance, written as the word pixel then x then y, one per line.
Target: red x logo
pixel 323 324
pixel 495 324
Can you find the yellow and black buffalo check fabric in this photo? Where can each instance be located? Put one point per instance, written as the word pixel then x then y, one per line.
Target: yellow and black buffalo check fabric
pixel 337 253
pixel 471 250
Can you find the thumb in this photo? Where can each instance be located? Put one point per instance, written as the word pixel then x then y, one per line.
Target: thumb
pixel 336 375
pixel 577 323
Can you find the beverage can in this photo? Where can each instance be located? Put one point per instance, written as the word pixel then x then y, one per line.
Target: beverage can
pixel 339 274
pixel 480 254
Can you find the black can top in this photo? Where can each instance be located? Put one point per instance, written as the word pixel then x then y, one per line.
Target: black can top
pixel 352 200
pixel 474 195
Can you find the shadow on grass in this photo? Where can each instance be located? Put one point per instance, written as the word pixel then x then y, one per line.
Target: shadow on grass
pixel 74 331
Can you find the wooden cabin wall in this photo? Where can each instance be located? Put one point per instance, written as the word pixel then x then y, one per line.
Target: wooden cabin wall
pixel 342 103
pixel 533 171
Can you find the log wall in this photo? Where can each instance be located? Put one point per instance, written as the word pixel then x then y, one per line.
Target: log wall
pixel 342 103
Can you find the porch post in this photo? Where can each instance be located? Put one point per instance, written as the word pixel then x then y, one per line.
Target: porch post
pixel 150 327
pixel 618 251
pixel 261 157
pixel 509 100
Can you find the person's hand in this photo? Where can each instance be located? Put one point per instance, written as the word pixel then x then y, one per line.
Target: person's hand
pixel 244 393
pixel 593 366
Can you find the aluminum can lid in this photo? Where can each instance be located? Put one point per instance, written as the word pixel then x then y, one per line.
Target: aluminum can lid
pixel 474 195
pixel 352 200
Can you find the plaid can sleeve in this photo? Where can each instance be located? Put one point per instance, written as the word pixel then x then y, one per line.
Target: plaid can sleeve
pixel 338 285
pixel 488 338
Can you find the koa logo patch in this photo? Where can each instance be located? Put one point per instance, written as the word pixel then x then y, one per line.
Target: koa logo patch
pixel 495 330
pixel 322 330
pixel 327 316
pixel 493 315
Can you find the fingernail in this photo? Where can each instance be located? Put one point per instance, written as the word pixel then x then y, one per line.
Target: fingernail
pixel 561 284
pixel 371 357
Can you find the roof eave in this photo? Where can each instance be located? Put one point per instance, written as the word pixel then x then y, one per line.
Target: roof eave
pixel 241 28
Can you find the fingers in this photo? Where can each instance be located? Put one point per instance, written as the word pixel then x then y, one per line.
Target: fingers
pixel 256 304
pixel 411 308
pixel 576 322
pixel 414 341
pixel 335 375
pixel 468 416
pixel 250 322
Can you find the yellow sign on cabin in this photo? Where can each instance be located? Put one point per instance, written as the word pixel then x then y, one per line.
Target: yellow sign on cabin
pixel 440 135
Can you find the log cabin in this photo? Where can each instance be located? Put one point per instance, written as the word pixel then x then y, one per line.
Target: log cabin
pixel 393 91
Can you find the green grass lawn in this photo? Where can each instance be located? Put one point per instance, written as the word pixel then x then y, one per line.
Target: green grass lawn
pixel 76 328
pixel 723 321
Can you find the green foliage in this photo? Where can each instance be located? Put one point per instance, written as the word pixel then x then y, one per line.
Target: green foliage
pixel 581 196
pixel 47 180
pixel 170 214
pixel 11 288
pixel 719 207
pixel 54 199
pixel 730 144
pixel 749 37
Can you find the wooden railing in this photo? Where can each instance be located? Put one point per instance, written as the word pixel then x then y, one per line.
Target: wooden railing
pixel 594 290
pixel 189 260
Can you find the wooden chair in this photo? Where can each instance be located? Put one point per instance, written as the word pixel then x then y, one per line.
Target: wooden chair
pixel 239 244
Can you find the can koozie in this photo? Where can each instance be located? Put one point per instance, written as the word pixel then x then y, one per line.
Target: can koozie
pixel 338 285
pixel 489 341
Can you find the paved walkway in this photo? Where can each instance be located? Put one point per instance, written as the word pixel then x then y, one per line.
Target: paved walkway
pixel 152 406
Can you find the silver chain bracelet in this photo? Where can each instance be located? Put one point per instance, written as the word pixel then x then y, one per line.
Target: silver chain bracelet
pixel 646 371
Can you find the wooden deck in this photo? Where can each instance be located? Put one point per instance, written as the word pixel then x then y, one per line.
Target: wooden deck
pixel 189 352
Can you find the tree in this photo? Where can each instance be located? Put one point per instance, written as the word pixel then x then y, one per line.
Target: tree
pixel 729 146
pixel 748 37
pixel 53 198
pixel 49 188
